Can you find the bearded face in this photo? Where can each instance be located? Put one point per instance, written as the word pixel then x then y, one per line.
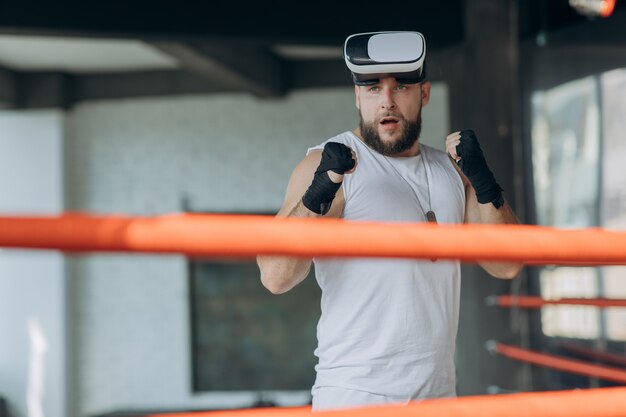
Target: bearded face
pixel 406 132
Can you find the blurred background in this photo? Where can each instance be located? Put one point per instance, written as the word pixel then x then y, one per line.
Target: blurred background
pixel 162 107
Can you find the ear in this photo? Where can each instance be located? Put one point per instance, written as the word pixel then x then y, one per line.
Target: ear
pixel 425 86
pixel 357 95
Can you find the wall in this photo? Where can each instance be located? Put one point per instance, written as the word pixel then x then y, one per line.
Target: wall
pixel 220 153
pixel 32 284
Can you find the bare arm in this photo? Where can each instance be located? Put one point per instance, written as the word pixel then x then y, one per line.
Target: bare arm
pixel 475 212
pixel 280 274
pixel 489 214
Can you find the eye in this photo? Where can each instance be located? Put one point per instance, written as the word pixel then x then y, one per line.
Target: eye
pixel 401 87
pixel 374 89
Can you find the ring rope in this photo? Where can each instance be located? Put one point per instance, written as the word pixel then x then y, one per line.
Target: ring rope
pixel 613 358
pixel 526 301
pixel 555 362
pixel 597 402
pixel 247 236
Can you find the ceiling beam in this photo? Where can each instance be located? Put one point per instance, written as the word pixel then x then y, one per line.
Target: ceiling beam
pixel 318 74
pixel 141 84
pixel 8 89
pixel 233 66
pixel 63 90
pixel 45 89
pixel 35 90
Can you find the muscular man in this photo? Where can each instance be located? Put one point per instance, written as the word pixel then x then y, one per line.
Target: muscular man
pixel 388 326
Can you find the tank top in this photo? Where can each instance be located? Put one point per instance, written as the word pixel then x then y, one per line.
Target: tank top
pixel 388 326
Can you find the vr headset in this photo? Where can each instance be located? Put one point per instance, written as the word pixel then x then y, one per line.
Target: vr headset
pixel 373 55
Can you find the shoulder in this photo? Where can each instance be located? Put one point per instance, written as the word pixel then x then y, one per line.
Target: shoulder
pixel 444 160
pixel 434 153
pixel 347 138
pixel 302 177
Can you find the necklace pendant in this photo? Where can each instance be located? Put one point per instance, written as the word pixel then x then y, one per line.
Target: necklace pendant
pixel 430 216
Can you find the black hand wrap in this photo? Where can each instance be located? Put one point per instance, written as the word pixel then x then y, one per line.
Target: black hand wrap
pixel 475 168
pixel 336 157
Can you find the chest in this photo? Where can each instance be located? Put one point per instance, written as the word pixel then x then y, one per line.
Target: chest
pixel 404 190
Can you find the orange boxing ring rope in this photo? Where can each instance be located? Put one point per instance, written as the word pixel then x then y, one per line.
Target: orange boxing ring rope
pixel 595 354
pixel 555 362
pixel 538 302
pixel 599 402
pixel 246 235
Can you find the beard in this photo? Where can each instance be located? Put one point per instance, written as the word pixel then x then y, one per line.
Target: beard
pixel 410 132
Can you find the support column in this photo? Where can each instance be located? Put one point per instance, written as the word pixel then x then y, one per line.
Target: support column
pixel 484 83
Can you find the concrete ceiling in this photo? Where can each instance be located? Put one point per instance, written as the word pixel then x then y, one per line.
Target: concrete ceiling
pixel 80 55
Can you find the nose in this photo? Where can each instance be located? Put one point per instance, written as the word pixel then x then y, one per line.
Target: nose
pixel 387 99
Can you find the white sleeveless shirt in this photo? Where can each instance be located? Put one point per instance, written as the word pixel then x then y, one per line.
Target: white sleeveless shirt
pixel 388 326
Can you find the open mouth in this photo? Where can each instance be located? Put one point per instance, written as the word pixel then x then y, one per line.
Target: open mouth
pixel 389 121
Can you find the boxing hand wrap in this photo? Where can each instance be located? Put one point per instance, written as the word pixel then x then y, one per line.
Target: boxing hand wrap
pixel 474 166
pixel 336 157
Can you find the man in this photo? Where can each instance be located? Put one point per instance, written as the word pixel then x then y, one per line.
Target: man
pixel 388 326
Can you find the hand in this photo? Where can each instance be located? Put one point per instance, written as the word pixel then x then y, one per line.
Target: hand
pixel 337 160
pixel 452 141
pixel 464 148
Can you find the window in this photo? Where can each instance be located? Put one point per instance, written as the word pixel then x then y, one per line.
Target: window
pixel 578 154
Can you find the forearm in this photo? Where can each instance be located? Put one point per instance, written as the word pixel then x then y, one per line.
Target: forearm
pixel 504 215
pixel 280 274
pixel 489 214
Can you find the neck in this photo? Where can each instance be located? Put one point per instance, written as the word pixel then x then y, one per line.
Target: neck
pixel 412 151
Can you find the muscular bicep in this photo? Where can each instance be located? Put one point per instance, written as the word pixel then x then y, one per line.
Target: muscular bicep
pixel 299 182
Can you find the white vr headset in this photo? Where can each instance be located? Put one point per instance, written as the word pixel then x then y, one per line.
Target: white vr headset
pixel 370 56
